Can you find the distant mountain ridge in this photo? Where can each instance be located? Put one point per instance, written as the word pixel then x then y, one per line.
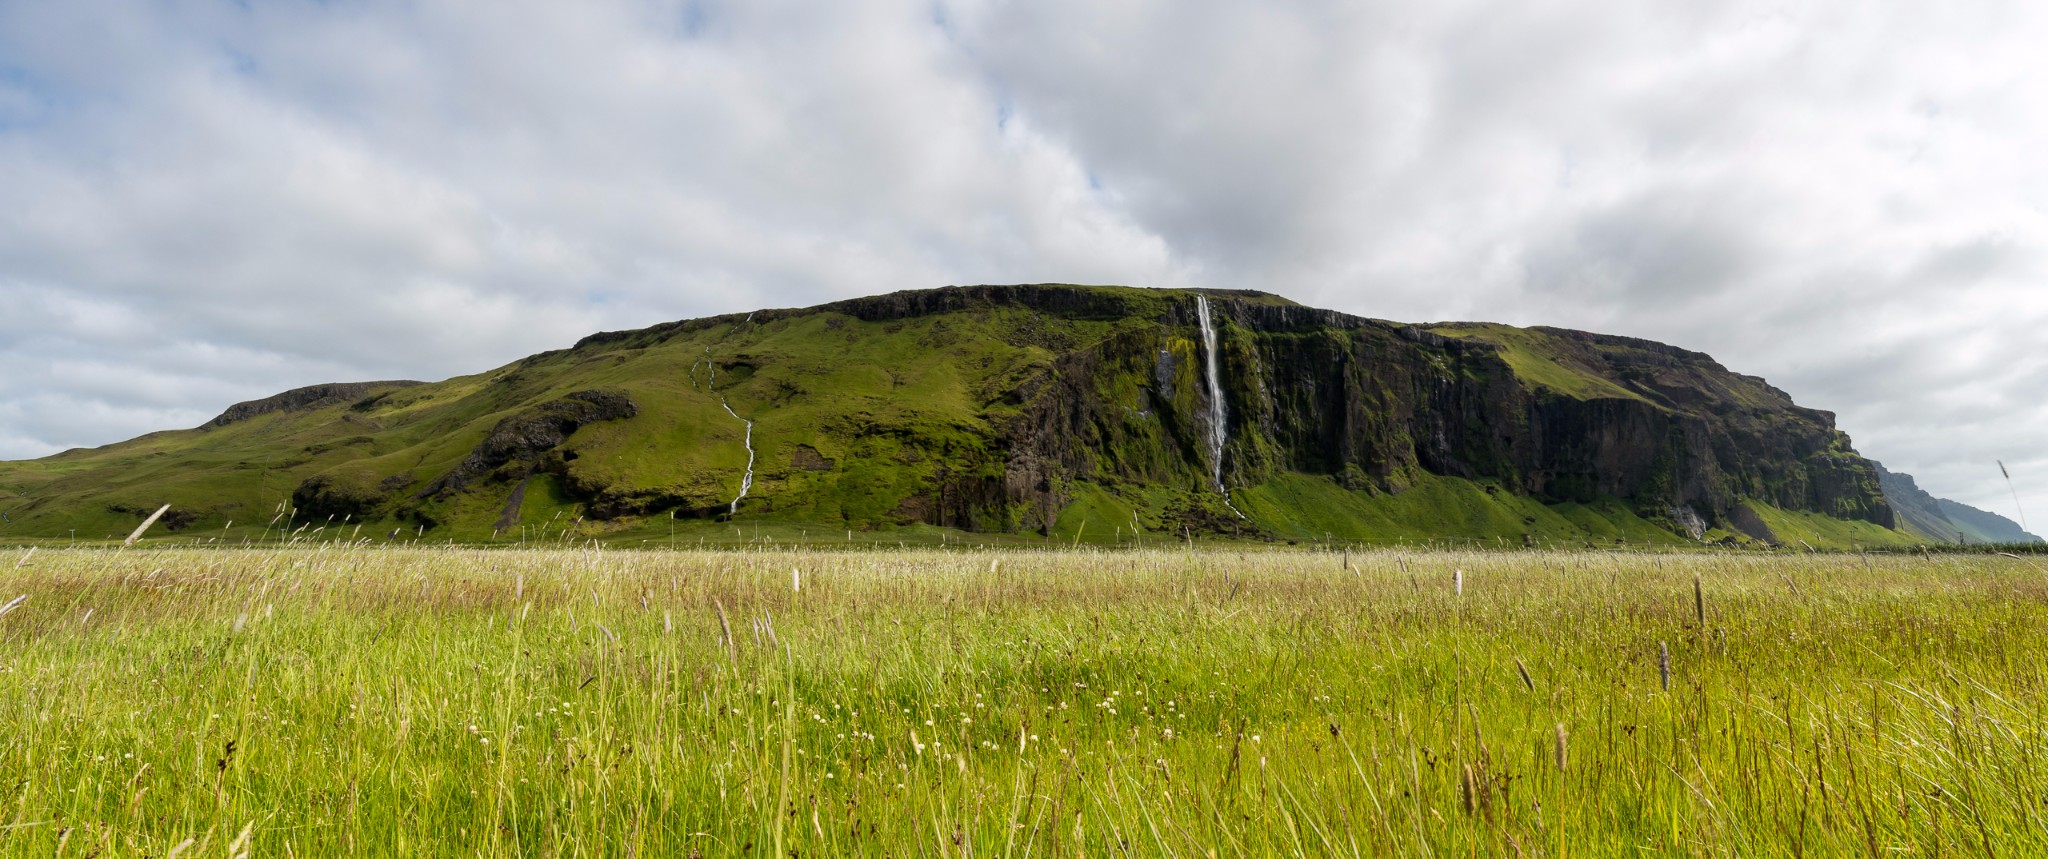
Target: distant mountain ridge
pixel 1946 521
pixel 1072 412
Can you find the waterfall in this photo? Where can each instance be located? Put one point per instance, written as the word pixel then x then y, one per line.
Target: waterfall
pixel 706 361
pixel 747 481
pixel 1219 413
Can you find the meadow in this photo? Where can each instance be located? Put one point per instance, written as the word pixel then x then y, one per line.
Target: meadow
pixel 319 700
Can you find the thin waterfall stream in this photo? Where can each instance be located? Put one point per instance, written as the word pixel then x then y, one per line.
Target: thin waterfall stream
pixel 747 480
pixel 1219 412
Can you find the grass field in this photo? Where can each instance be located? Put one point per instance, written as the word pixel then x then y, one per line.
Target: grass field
pixel 321 701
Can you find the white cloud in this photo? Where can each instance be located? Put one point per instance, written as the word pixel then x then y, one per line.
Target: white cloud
pixel 1844 197
pixel 209 203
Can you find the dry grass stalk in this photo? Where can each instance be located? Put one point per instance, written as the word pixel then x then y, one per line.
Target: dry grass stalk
pixel 1524 671
pixel 24 559
pixel 725 629
pixel 2015 494
pixel 2032 561
pixel 1561 756
pixel 12 604
pixel 239 848
pixel 1792 584
pixel 1699 604
pixel 159 514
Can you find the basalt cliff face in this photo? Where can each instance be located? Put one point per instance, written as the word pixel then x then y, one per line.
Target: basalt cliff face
pixel 1378 407
pixel 1044 409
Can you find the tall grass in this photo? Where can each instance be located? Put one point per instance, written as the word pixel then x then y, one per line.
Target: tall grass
pixel 315 701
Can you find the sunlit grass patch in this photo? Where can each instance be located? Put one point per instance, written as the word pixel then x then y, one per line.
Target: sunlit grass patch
pixel 1160 702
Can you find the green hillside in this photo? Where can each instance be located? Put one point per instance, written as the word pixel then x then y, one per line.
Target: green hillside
pixel 1016 413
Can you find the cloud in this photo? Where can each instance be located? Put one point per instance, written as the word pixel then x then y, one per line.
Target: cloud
pixel 212 201
pixel 1840 197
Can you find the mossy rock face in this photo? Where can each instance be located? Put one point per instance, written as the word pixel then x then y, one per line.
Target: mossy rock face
pixel 1033 409
pixel 524 438
pixel 340 495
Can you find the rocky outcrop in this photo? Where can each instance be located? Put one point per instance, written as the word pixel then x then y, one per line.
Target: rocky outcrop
pixel 525 437
pixel 339 496
pixel 303 399
pixel 1072 302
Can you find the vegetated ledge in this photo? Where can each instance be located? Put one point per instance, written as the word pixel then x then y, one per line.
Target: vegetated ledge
pixel 1069 301
pixel 304 399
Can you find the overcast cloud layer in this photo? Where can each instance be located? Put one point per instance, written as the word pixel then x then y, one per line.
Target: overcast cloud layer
pixel 205 202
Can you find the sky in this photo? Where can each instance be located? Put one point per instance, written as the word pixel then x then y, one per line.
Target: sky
pixel 208 201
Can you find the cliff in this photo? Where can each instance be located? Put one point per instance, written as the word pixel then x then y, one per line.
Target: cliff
pixel 1069 411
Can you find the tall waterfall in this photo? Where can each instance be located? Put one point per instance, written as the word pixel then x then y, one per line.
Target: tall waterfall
pixel 1219 413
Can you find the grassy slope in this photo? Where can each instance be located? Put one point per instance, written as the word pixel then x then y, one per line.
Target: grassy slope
pixel 1543 360
pixel 1793 527
pixel 1929 523
pixel 889 404
pixel 378 702
pixel 1559 360
pixel 875 398
pixel 1439 509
